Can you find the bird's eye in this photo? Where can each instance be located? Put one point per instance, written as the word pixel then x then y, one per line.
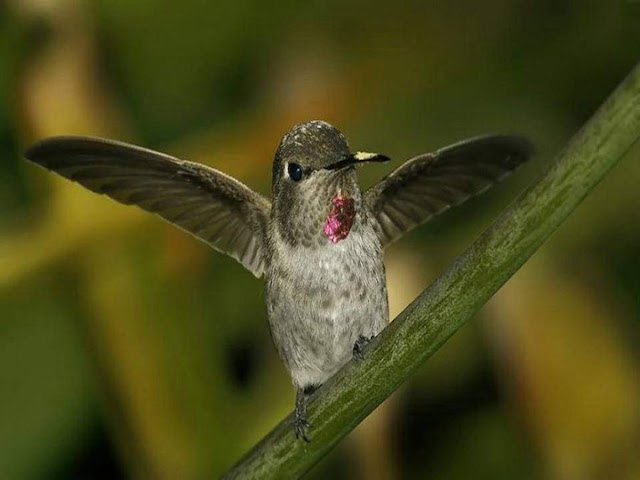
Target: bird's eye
pixel 295 172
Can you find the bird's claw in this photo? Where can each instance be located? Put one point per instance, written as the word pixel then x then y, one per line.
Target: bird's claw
pixel 300 427
pixel 359 346
pixel 300 423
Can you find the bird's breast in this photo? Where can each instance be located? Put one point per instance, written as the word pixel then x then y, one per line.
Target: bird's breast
pixel 321 299
pixel 333 274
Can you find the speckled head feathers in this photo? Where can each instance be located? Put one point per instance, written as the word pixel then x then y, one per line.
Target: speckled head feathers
pixel 314 144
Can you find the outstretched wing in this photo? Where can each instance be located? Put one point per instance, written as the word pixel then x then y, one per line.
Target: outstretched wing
pixel 431 183
pixel 205 202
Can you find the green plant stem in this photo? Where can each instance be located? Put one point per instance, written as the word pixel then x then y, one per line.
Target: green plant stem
pixel 453 298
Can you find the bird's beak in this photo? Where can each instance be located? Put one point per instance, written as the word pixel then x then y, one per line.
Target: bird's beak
pixel 357 158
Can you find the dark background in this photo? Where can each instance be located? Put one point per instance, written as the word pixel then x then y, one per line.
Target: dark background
pixel 129 349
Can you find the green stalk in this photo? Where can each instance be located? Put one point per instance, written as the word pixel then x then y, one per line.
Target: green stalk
pixel 453 298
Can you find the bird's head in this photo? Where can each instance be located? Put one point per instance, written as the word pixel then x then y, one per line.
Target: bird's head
pixel 313 173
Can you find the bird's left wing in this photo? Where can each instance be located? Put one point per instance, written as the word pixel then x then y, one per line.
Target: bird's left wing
pixel 431 183
pixel 205 202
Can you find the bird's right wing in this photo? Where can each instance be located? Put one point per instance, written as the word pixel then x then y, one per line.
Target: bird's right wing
pixel 205 202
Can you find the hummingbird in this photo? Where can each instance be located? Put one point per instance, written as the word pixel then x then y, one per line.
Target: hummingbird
pixel 318 242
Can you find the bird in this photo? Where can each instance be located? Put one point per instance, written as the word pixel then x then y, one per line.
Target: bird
pixel 318 242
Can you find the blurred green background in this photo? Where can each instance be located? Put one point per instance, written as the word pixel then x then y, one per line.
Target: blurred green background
pixel 130 350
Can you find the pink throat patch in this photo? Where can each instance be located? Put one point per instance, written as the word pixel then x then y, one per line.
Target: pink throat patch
pixel 340 218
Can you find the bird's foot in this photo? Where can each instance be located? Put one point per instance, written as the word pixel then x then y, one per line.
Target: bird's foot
pixel 359 346
pixel 300 426
pixel 300 423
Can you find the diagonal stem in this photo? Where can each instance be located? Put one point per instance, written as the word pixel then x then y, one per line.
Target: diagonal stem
pixel 454 297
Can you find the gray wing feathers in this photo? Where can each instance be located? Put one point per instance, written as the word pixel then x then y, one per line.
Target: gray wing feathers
pixel 433 182
pixel 205 202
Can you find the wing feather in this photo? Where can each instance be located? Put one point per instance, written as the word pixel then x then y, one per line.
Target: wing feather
pixel 429 184
pixel 201 200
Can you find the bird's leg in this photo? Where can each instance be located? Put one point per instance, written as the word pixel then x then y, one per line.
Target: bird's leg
pixel 301 424
pixel 359 346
